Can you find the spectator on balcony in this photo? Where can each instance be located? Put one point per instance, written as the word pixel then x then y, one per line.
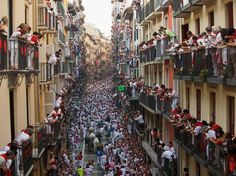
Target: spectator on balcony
pixel 216 39
pixel 20 139
pixel 192 40
pixel 167 155
pixel 19 33
pixel 202 40
pixel 157 37
pixel 6 160
pixel 167 33
pixel 140 120
pixel 24 136
pixel 4 25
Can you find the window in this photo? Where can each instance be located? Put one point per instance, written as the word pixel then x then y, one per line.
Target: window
pixel 231 114
pixel 198 104
pixel 197 26
pixel 213 106
pixel 185 29
pixel 211 18
pixel 229 15
pixel 187 98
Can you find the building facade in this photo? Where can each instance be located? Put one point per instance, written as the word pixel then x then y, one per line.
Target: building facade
pixel 32 76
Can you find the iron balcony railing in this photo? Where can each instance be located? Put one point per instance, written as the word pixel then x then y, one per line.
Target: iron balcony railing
pixel 23 56
pixel 211 154
pixel 158 103
pixel 206 63
pixel 154 52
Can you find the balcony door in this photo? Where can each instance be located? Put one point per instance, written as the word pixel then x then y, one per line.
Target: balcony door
pixel 184 29
pixel 231 114
pixel 198 104
pixel 229 15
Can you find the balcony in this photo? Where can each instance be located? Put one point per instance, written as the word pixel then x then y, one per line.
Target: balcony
pixel 166 167
pixel 155 52
pixel 197 146
pixel 157 104
pixel 151 102
pixel 22 60
pixel 149 11
pixel 205 66
pixel 46 20
pixel 183 8
pixel 39 140
pixel 132 93
pixel 23 56
pixel 45 72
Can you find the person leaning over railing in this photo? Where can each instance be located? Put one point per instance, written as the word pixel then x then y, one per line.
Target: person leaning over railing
pixel 33 40
pixel 20 32
pixel 23 137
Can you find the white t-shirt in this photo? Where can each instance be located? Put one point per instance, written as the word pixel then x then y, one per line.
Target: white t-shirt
pixel 22 138
pixel 211 134
pixel 140 119
pixel 167 154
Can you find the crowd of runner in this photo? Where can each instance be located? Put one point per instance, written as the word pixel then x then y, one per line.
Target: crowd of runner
pixel 101 124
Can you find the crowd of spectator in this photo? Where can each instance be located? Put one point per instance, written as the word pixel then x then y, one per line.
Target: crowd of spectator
pixel 207 137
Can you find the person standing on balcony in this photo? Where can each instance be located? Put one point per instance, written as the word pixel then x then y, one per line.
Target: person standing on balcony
pixel 167 33
pixel 140 120
pixel 19 33
pixel 19 140
pixel 33 40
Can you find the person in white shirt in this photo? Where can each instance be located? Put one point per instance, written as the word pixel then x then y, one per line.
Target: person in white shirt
pixel 20 139
pixel 103 161
pixel 167 154
pixel 140 120
pixel 20 32
pixel 210 134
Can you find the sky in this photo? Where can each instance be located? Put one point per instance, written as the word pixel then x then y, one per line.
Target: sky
pixel 98 12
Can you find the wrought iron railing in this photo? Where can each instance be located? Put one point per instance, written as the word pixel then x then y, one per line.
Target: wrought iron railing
pixel 206 63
